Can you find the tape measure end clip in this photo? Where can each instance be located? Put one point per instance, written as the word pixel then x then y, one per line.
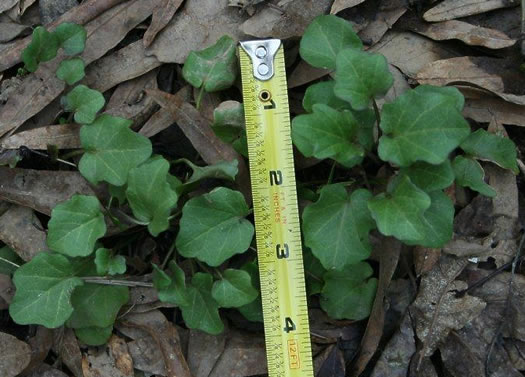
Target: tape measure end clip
pixel 262 54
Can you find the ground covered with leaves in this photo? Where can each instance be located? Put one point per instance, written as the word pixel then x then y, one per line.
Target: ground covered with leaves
pixel 126 222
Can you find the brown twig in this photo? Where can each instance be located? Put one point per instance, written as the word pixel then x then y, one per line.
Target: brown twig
pixel 126 283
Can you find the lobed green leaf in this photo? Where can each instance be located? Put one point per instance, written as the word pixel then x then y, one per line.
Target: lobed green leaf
pixel 469 173
pixel 234 289
pixel 171 287
pixel 43 47
pixel 71 70
pixel 109 264
pixel 430 177
pixel 94 336
pixel 71 37
pixel 323 92
pixel 84 102
pixel 253 311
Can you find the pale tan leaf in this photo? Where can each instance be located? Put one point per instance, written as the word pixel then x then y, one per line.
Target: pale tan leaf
pixel 383 21
pixel 63 136
pixel 340 5
pixel 102 361
pixel 451 9
pixel 14 355
pixel 485 109
pixel 304 73
pixel 161 17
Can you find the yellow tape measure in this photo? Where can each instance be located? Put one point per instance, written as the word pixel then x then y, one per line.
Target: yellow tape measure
pixel 277 225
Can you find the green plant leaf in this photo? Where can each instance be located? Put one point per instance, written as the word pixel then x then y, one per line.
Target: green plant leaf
pixel 112 150
pixel 253 311
pixel 221 170
pixel 71 70
pixel 469 173
pixel 314 272
pixel 228 125
pixel 417 117
pixel 398 212
pixel 361 76
pixel 94 336
pixel 75 226
pixel 203 311
pixel 8 260
pixel 171 287
pixel 328 133
pixel 437 221
pixel 235 289
pixel 84 102
pixel 43 47
pixel 71 37
pixel 336 227
pixel 213 68
pixel 109 264
pixel 430 177
pixel 97 305
pixel 349 293
pixel 118 192
pixel 498 149
pixel 43 291
pixel 324 38
pixel 213 228
pixel 150 195
pixel 323 92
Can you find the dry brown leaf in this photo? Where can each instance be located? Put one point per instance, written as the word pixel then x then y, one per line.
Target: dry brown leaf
pixel 122 65
pixel 40 345
pixel 198 24
pixel 496 75
pixel 45 370
pixel 63 136
pixel 437 310
pixel 198 130
pixel 119 350
pixel 41 190
pixel 304 73
pixel 390 249
pixel 22 231
pixel 42 87
pixel 166 338
pixel 470 34
pixel 66 346
pixel 7 4
pixel 81 14
pixel 484 110
pixel 400 86
pixel 382 22
pixel 14 355
pixel 7 291
pixel 10 30
pixel 506 20
pixel 333 364
pixel 289 21
pixel 340 5
pixel 394 361
pixel 425 258
pixel 103 361
pixel 410 52
pixel 161 17
pixel 451 9
pixel 203 352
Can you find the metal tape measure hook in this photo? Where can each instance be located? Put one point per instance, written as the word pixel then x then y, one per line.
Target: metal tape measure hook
pixel 262 54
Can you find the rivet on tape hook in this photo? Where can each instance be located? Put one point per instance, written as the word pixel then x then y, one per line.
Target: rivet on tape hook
pixel 262 54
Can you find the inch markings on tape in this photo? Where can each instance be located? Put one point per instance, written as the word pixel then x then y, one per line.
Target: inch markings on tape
pixel 277 227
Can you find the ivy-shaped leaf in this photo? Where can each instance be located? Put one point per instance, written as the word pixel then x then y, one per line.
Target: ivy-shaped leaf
pixel 437 221
pixel 500 150
pixel 398 212
pixel 150 195
pixel 109 264
pixel 323 92
pixel 112 150
pixel 417 117
pixel 97 305
pixel 314 272
pixel 9 260
pixel 71 37
pixel 328 133
pixel 430 177
pixel 84 102
pixel 361 76
pixel 171 287
pixel 202 313
pixel 253 311
pixel 234 289
pixel 349 293
pixel 94 336
pixel 324 38
pixel 228 125
pixel 213 68
pixel 43 291
pixel 213 227
pixel 43 47
pixel 71 70
pixel 221 170
pixel 336 227
pixel 75 226
pixel 469 173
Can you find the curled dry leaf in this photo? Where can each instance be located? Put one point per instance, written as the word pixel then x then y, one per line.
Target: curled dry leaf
pixel 451 9
pixel 63 136
pixel 14 355
pixel 290 19
pixel 39 189
pixel 340 5
pixel 161 17
pixel 21 230
pixel 470 34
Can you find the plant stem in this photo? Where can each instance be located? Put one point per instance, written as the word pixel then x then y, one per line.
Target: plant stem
pixel 168 256
pixel 331 175
pixel 376 111
pixel 199 98
pixel 126 283
pixel 73 153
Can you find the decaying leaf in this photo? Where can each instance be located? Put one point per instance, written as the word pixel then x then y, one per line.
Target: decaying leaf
pixel 10 30
pixel 66 345
pixel 486 109
pixel 7 4
pixel 162 15
pixel 305 73
pixel 23 232
pixel 204 350
pixel 451 9
pixel 384 19
pixel 14 355
pixel 111 360
pixel 63 136
pixel 470 34
pixel 340 5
